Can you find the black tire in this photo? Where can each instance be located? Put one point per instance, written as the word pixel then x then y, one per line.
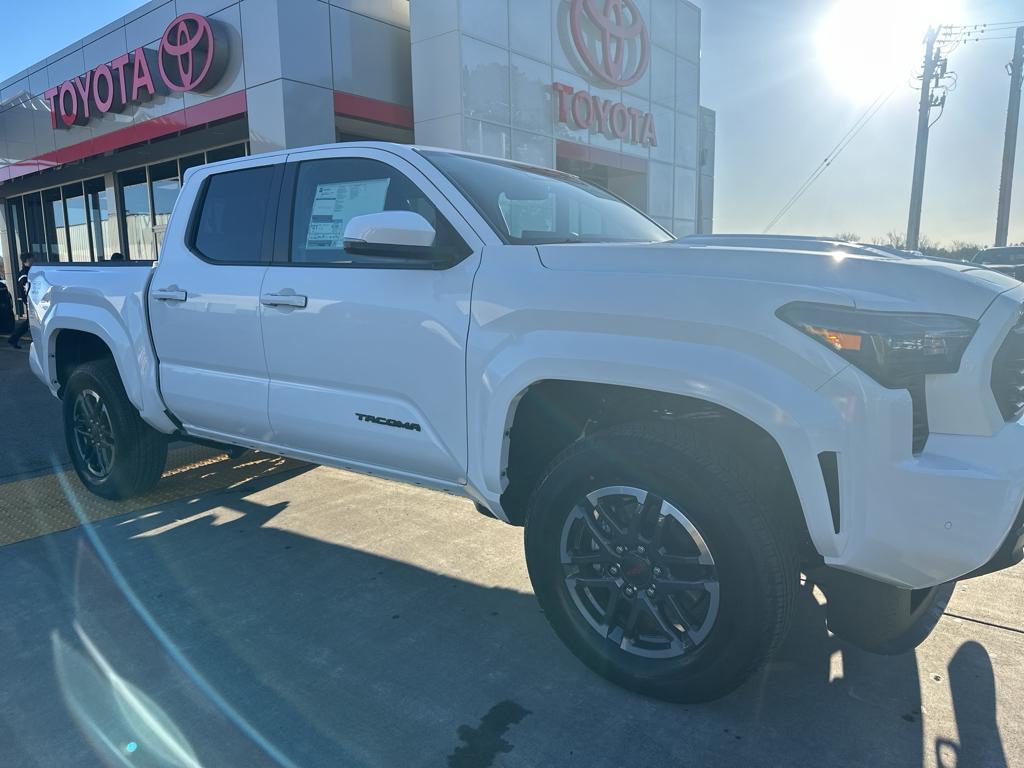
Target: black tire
pixel 139 452
pixel 754 561
pixel 880 618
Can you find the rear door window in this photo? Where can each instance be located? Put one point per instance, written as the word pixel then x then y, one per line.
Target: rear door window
pixel 230 224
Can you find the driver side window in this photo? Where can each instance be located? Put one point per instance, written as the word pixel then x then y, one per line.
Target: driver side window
pixel 330 193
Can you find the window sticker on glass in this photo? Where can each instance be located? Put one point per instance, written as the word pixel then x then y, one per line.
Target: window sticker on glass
pixel 536 215
pixel 336 204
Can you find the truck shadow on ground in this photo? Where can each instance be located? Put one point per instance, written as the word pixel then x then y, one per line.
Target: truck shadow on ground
pixel 185 638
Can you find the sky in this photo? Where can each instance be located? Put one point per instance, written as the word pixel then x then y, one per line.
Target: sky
pixel 780 115
pixel 781 109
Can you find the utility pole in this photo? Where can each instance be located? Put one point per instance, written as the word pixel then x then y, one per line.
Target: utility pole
pixel 1010 148
pixel 921 157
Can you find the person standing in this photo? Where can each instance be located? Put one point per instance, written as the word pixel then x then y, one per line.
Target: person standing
pixel 22 291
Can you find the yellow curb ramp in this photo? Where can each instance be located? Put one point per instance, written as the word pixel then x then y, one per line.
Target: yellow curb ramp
pixel 38 506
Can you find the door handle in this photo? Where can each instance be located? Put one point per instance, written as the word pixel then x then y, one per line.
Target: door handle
pixel 169 294
pixel 283 300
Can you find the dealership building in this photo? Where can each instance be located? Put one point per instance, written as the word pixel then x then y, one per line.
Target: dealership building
pixel 95 138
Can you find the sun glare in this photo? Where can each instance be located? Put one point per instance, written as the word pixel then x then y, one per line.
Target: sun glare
pixel 868 46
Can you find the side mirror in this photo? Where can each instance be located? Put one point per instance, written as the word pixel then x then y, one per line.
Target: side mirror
pixel 397 230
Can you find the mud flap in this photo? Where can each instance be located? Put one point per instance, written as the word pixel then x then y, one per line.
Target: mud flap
pixel 880 618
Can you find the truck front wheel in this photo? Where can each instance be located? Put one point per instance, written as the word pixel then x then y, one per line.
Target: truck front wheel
pixel 656 565
pixel 114 452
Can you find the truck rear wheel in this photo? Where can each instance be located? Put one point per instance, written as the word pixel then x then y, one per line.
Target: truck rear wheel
pixel 655 564
pixel 114 452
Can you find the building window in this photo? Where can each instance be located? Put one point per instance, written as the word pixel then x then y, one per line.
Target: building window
pixel 78 227
pixel 56 231
pixel 69 223
pixel 17 227
pixel 190 161
pixel 229 152
pixel 34 223
pixel 100 227
pixel 166 186
pixel 138 225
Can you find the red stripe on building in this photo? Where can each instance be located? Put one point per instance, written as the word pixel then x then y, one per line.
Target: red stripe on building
pixel 365 108
pixel 207 112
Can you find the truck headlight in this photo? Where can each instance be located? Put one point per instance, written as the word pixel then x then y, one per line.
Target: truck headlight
pixel 893 348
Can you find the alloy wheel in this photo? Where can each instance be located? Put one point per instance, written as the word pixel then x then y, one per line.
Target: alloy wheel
pixel 93 434
pixel 639 572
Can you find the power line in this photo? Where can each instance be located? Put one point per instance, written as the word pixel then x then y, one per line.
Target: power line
pixel 986 25
pixel 844 142
pixel 957 35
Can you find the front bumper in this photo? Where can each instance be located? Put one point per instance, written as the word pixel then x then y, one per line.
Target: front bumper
pixel 954 509
pixel 918 521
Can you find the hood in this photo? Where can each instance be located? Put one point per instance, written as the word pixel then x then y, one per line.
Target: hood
pixel 871 281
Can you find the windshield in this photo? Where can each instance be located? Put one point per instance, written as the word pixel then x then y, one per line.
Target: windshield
pixel 532 206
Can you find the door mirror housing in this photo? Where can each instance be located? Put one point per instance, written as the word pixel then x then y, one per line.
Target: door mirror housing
pixel 390 228
pixel 398 238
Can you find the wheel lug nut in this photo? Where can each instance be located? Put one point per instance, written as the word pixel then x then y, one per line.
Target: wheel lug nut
pixel 640 550
pixel 650 591
pixel 657 571
pixel 614 570
pixel 630 591
pixel 619 550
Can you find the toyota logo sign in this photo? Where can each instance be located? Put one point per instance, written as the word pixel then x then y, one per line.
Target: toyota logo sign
pixel 191 57
pixel 617 51
pixel 188 52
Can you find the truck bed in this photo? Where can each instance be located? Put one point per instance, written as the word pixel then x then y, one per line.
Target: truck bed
pixel 108 301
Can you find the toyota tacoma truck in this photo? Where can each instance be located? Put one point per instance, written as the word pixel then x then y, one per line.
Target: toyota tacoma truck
pixel 686 430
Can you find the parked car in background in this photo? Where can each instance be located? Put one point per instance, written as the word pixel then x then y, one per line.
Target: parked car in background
pixel 6 308
pixel 1009 260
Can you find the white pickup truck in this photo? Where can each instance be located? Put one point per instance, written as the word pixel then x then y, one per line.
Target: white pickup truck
pixel 683 427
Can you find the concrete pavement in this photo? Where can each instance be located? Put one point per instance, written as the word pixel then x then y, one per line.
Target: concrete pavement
pixel 312 617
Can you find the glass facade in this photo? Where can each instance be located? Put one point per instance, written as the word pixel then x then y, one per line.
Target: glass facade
pixel 53 214
pixel 138 242
pixel 36 235
pixel 16 224
pixel 77 227
pixel 100 225
pixel 73 223
pixel 166 186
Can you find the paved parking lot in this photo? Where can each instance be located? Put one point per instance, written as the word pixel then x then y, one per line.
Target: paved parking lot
pixel 262 611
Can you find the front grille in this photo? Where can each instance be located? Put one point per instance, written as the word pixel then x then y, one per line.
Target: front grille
pixel 1008 374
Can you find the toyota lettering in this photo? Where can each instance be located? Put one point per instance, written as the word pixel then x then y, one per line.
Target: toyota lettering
pixel 191 57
